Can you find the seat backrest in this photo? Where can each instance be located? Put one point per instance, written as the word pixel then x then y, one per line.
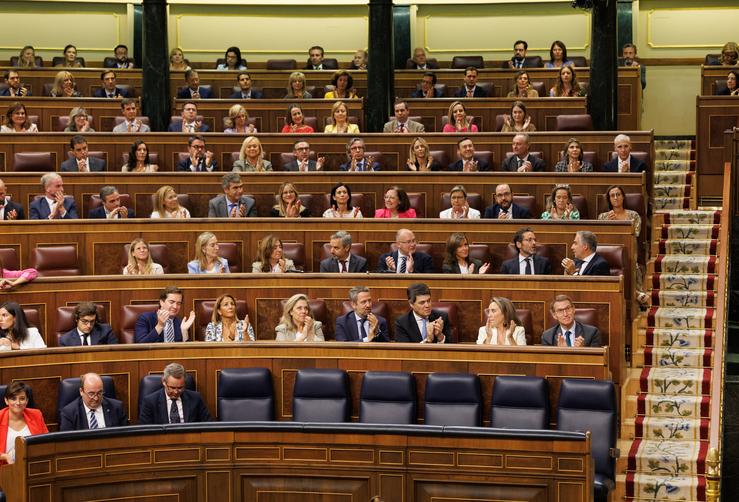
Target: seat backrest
pixel 527 201
pixel 65 320
pixel 37 59
pixel 452 311
pixel 527 321
pixel 34 161
pixel 520 402
pixel 614 255
pixel 118 120
pixel 58 60
pixel 575 122
pixel 321 395
pixel 230 251
pixel 453 399
pixel 387 397
pixel 410 64
pixel 128 317
pixel 54 261
pixel 9 257
pixel 581 204
pixel 533 62
pixel 579 61
pixel 204 311
pixel 281 64
pixel 153 382
pixel 159 254
pixel 583 315
pixel 540 87
pixel 245 395
pixel 69 390
pixel 440 156
pixel 95 201
pixel 295 251
pixel 712 59
pixel 378 308
pixel 418 202
pixel 319 312
pixel 330 64
pixel 462 62
pixel 590 405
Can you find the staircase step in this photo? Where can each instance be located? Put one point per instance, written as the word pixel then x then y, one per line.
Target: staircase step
pixel 661 203
pixel 681 318
pixel 698 216
pixel 674 154
pixel 682 264
pixel 668 457
pixel 688 231
pixel 670 191
pixel 683 282
pixel 674 165
pixel 672 357
pixel 672 178
pixel 662 298
pixel 660 337
pixel 671 406
pixel 675 381
pixel 692 247
pixel 684 429
pixel 674 144
pixel 646 487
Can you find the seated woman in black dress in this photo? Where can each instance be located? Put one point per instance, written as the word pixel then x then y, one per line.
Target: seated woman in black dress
pixel 419 157
pixel 731 88
pixel 457 259
pixel 288 203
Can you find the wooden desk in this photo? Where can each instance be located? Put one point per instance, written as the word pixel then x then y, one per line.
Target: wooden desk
pixel 709 76
pixel 714 115
pixel 293 463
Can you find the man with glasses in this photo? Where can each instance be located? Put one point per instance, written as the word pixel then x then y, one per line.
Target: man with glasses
pixel 503 207
pixel 92 410
pixel 303 162
pixel 173 404
pixel 191 123
pixel 526 262
pixel 568 332
pixel 405 259
pixel 428 87
pixel 356 161
pixel 200 159
pixel 88 330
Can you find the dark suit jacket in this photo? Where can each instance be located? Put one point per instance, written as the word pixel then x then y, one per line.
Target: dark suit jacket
pixel 95 164
pixel 459 165
pixel 347 330
pixel 589 333
pixel 518 212
pixel 185 165
pixel 184 93
pixel 356 264
pixel 635 165
pixel 541 266
pixel 6 92
pixel 597 266
pixel 218 206
pixel 74 418
pixel 511 164
pixel 527 63
pixel 40 209
pixel 254 95
pixel 454 268
pixel 177 127
pixel 430 65
pixel 326 64
pixel 406 329
pixel 9 206
pixel 155 408
pixel 293 165
pixel 144 331
pixel 99 213
pixel 418 93
pixel 422 263
pixel 119 93
pixel 479 92
pixel 374 167
pixel 101 334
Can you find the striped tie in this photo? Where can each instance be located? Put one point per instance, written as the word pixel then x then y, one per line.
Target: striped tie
pixel 169 331
pixel 93 420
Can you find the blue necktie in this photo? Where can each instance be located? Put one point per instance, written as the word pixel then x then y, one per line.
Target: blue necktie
pixel 231 207
pixel 424 332
pixel 362 331
pixel 93 420
pixel 402 264
pixel 568 338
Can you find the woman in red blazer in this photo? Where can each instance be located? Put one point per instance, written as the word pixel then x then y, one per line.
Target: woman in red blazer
pixel 17 420
pixel 397 205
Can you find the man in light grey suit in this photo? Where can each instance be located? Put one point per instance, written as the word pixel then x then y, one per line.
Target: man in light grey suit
pixel 232 204
pixel 80 162
pixel 342 260
pixel 568 332
pixel 401 123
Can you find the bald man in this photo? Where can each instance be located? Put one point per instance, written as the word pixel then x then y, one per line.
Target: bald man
pixel 92 410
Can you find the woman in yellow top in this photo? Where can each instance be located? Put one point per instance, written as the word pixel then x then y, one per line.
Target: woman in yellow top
pixel 343 86
pixel 340 118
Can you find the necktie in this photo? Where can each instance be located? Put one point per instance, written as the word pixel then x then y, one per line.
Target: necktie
pixel 401 127
pixel 529 271
pixel 424 332
pixel 303 166
pixel 567 337
pixel 130 126
pixel 85 339
pixel 402 264
pixel 341 267
pixel 470 92
pixel 93 421
pixel 169 331
pixel 190 128
pixel 520 162
pixel 83 166
pixel 362 331
pixel 232 210
pixel 111 95
pixel 623 166
pixel 360 166
pixel 174 414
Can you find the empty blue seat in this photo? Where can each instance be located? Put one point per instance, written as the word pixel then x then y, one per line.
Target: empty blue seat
pixel 520 402
pixel 453 399
pixel 387 397
pixel 245 394
pixel 321 395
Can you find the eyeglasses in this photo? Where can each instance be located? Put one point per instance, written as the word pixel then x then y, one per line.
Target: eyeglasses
pixel 411 241
pixel 175 389
pixel 94 395
pixel 564 310
pixel 87 322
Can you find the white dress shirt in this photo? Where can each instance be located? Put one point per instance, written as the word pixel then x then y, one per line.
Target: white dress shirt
pixel 180 410
pixel 99 415
pixel 365 324
pixel 522 264
pixel 584 264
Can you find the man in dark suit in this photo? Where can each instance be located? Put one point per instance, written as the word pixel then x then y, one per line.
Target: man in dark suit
pixel 470 88
pixel 520 48
pixel 190 123
pixel 624 162
pixel 173 404
pixel 405 259
pixel 193 90
pixel 361 325
pixel 81 161
pixel 109 89
pixel 111 208
pixel 232 204
pixel 587 261
pixel 526 262
pixel 246 92
pixel 88 331
pixel 567 332
pixel 200 159
pixel 302 161
pixel 121 59
pixel 9 210
pixel 53 205
pixel 422 324
pixel 503 208
pixel 428 87
pixel 419 61
pixel 521 161
pixel 467 162
pixel 164 325
pixel 92 410
pixel 316 61
pixel 342 260
pixel 15 89
pixel 356 160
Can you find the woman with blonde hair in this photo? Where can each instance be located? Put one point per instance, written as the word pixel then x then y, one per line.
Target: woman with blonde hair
pixel 340 120
pixel 288 203
pixel 729 54
pixel 64 86
pixel 251 157
pixel 237 121
pixel 225 325
pixel 177 61
pixel 419 157
pixel 139 260
pixel 271 257
pixel 27 57
pixel 296 86
pixel 503 326
pixel 207 260
pixel 296 324
pixel 458 119
pixel 79 121
pixel 167 206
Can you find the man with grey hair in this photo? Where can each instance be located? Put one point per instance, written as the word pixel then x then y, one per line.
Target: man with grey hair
pixel 173 403
pixel 92 409
pixel 623 162
pixel 342 260
pixel 361 324
pixel 53 205
pixel 111 208
pixel 587 261
pixel 232 204
pixel 9 210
